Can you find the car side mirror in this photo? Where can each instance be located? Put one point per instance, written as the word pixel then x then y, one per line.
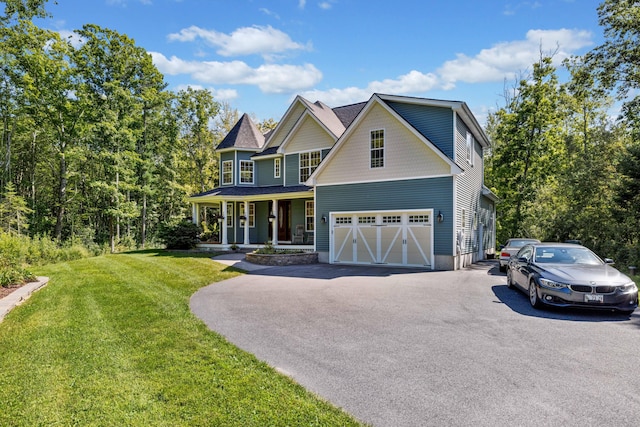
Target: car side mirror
pixel 609 261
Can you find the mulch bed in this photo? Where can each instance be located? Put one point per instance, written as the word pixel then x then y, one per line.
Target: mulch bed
pixel 6 291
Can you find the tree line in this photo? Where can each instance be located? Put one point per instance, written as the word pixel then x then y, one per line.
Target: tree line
pixel 564 168
pixel 94 146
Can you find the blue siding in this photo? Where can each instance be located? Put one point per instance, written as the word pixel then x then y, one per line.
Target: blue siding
pixel 435 123
pixel 264 173
pixel 292 174
pixel 431 193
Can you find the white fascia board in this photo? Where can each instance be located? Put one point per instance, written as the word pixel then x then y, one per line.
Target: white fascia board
pixel 278 127
pixel 461 107
pixel 378 99
pixel 255 198
pixel 372 181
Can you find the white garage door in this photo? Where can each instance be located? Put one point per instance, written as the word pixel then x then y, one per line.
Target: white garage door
pixel 397 238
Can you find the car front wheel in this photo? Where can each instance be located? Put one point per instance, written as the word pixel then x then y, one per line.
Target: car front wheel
pixel 533 295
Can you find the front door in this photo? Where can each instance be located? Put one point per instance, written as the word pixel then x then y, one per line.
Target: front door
pixel 284 220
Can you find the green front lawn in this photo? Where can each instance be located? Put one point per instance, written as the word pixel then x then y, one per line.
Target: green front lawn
pixel 111 341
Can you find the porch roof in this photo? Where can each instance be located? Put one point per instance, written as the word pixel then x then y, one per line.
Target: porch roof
pixel 246 193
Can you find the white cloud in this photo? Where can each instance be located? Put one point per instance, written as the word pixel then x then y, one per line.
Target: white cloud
pixel 412 82
pixel 73 38
pixel 270 78
pixel 243 41
pixel 506 60
pixel 302 3
pixel 502 61
pixel 325 5
pixel 218 94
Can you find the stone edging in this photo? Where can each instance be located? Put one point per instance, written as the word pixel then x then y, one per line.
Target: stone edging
pixel 282 259
pixel 20 295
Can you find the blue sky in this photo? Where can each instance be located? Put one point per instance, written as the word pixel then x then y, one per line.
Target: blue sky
pixel 259 54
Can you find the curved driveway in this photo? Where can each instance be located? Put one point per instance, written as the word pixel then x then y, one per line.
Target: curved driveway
pixel 396 347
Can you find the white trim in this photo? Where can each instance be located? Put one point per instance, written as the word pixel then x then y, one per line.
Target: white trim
pixel 376 99
pixel 306 216
pixel 298 125
pixel 222 178
pixel 284 118
pixel 384 180
pixel 404 225
pixel 277 172
pixel 384 148
pixel 253 170
pixel 310 166
pixel 235 166
pixel 455 217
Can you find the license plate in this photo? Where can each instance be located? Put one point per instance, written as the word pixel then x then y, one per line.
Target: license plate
pixel 593 298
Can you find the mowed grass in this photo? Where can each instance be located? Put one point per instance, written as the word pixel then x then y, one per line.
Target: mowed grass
pixel 110 341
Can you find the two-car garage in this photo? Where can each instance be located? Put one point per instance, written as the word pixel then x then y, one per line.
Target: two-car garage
pixel 394 238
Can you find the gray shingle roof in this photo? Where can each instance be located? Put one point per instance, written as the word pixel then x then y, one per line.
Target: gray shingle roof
pixel 254 191
pixel 244 134
pixel 348 113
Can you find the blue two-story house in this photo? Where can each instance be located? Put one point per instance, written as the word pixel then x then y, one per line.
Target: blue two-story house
pixel 392 181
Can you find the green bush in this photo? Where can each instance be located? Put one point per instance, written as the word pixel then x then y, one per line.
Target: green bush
pixel 183 235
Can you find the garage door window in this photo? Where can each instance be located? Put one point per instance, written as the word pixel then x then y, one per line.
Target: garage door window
pixel 392 219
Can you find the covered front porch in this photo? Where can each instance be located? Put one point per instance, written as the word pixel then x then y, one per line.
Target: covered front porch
pixel 247 218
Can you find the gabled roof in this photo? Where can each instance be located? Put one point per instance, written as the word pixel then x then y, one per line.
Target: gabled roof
pixel 326 116
pixel 377 99
pixel 244 135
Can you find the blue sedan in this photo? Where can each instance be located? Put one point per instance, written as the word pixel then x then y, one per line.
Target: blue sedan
pixel 570 275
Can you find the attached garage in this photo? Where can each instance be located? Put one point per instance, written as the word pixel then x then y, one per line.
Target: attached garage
pixel 393 238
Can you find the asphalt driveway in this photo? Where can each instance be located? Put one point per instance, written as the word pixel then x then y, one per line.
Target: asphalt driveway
pixel 397 347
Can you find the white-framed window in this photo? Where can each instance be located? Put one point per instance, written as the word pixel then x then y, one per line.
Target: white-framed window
pixel 230 215
pixel 246 171
pixel 308 163
pixel 252 214
pixel 470 143
pixel 309 217
pixel 227 172
pixel 377 149
pixel 277 167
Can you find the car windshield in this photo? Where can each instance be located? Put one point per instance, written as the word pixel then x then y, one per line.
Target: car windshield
pixel 518 243
pixel 566 255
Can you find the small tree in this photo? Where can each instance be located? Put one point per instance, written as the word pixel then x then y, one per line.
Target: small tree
pixel 13 211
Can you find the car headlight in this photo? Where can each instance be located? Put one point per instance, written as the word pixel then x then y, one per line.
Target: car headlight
pixel 551 284
pixel 628 287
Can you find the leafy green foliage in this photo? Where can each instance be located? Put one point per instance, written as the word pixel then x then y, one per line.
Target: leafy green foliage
pixel 181 235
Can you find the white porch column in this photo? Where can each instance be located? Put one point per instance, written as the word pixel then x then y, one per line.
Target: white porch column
pixel 195 213
pixel 274 224
pixel 223 224
pixel 246 223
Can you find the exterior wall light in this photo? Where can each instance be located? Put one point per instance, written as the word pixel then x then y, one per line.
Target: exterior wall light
pixel 440 216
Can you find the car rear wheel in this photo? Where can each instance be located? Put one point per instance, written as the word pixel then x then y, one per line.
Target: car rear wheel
pixel 509 279
pixel 533 295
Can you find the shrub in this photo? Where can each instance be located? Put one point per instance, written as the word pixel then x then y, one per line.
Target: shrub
pixel 183 235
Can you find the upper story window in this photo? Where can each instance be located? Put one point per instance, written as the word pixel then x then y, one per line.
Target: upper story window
pixel 308 163
pixel 377 148
pixel 246 172
pixel 470 144
pixel 227 172
pixel 277 167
